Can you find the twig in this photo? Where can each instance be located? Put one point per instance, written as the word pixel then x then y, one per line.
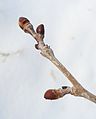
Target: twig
pixel 46 51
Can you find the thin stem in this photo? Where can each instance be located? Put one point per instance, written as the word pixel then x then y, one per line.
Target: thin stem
pixel 63 69
pixel 86 94
pixel 48 53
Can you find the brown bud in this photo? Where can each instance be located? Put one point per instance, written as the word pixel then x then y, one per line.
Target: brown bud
pixel 36 46
pixel 40 29
pixel 51 94
pixel 23 21
pixel 64 87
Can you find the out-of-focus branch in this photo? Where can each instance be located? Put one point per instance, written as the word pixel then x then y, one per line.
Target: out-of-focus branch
pixel 46 51
pixel 5 55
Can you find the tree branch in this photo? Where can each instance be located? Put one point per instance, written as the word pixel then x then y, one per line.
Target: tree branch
pixel 46 51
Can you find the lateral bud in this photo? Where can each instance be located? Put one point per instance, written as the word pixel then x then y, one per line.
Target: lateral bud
pixel 36 46
pixel 53 94
pixel 40 29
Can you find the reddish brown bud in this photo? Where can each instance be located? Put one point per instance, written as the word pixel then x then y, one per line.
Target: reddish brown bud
pixel 23 21
pixel 51 94
pixel 40 29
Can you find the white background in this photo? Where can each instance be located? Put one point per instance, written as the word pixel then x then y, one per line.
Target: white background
pixel 25 75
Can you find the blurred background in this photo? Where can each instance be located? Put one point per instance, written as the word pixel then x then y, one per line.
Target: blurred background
pixel 70 30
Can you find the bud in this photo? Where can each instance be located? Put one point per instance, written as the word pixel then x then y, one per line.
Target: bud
pixel 40 29
pixel 64 87
pixel 36 46
pixel 52 94
pixel 23 22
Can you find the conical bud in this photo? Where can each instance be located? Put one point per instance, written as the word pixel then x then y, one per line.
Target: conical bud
pixel 36 46
pixel 40 29
pixel 23 22
pixel 51 94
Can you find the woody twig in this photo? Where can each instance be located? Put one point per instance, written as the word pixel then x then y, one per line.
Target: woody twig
pixel 77 89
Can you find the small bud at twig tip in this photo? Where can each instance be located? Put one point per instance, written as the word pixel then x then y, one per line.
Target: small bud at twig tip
pixel 23 21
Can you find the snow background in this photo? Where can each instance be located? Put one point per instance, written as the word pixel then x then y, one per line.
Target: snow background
pixel 25 75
